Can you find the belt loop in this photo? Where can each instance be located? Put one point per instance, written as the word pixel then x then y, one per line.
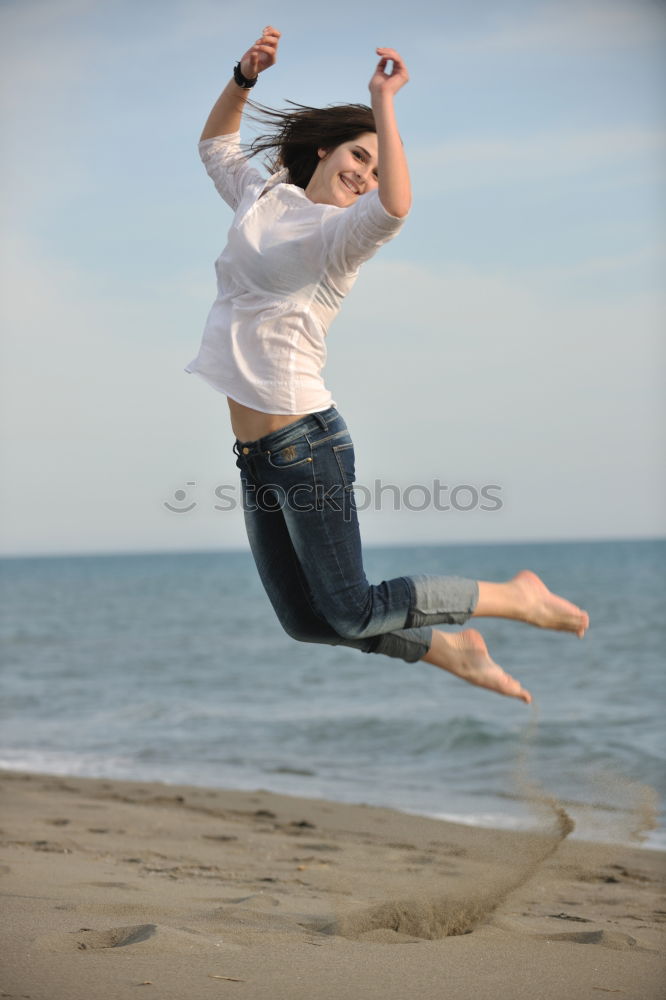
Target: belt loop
pixel 321 420
pixel 236 448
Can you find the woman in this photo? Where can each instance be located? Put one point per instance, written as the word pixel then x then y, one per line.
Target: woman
pixel 340 190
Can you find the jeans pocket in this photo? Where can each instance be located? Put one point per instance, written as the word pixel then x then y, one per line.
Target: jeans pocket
pixel 344 456
pixel 298 452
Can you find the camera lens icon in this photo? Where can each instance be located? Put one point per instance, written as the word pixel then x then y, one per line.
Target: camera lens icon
pixel 180 496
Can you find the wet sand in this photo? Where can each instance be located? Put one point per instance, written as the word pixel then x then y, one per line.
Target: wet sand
pixel 115 889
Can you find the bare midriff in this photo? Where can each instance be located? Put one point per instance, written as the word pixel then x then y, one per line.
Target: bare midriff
pixel 250 425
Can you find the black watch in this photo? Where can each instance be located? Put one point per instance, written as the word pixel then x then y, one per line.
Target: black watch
pixel 241 80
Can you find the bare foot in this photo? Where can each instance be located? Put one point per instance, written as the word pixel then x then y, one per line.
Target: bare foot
pixel 465 654
pixel 547 610
pixel 526 598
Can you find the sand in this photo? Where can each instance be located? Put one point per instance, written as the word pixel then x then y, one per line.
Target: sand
pixel 115 890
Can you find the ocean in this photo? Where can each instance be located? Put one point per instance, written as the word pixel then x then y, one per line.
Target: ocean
pixel 172 667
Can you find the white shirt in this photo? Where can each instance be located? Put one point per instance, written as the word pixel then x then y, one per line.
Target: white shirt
pixel 281 280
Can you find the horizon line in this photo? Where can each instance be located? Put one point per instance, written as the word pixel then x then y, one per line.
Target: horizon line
pixel 126 553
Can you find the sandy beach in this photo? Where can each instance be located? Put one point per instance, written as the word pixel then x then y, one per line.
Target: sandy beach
pixel 116 889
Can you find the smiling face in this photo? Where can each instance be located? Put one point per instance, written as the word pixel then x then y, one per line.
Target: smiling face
pixel 346 172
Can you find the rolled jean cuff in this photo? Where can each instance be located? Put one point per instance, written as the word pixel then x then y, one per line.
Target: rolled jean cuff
pixel 409 644
pixel 441 600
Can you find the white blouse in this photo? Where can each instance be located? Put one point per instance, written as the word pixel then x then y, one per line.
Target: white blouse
pixel 281 279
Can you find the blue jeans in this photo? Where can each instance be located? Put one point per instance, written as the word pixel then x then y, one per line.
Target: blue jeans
pixel 302 524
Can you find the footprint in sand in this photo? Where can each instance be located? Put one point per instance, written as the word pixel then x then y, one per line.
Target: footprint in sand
pixel 257 899
pixel 607 939
pixel 569 916
pixel 153 938
pixel 50 846
pixel 320 847
pixel 86 938
pixel 113 885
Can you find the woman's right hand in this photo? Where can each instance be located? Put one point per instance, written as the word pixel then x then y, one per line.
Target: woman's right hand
pixel 262 54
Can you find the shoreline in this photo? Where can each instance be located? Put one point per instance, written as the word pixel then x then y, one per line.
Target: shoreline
pixel 111 884
pixel 624 828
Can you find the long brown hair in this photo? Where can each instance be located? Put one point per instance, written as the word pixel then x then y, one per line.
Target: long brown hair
pixel 295 136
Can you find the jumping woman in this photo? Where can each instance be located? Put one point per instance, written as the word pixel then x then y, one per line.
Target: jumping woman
pixel 338 190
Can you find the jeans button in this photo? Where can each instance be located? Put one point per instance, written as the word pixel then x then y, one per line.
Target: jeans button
pixel 246 451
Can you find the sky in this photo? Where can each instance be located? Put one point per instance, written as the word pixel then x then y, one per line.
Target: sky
pixel 507 345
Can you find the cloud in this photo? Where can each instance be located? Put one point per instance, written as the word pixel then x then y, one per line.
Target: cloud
pixel 100 422
pixel 476 373
pixel 488 160
pixel 589 24
pixel 468 376
pixel 44 52
pixel 511 379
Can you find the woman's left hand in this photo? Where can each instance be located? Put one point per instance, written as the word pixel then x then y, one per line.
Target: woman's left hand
pixel 388 83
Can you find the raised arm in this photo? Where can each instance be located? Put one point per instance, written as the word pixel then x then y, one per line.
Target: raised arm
pixel 227 112
pixel 395 192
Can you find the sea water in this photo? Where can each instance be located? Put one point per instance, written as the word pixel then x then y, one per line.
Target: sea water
pixel 172 667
